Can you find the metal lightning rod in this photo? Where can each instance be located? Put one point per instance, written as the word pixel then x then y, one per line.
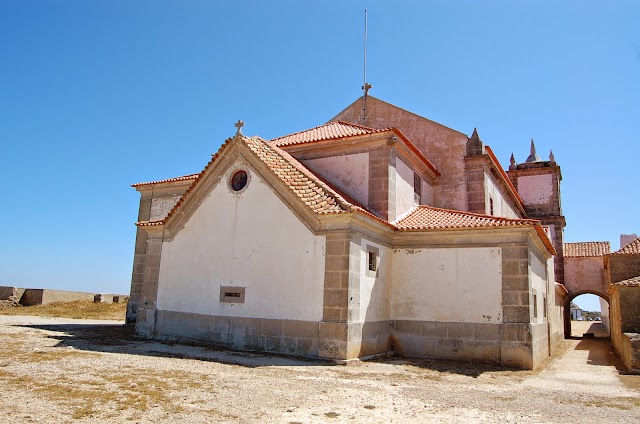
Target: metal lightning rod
pixel 365 86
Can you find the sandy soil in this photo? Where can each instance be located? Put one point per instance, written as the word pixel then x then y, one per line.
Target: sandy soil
pixel 55 370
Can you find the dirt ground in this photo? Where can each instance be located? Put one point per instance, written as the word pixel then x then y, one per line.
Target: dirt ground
pixel 56 370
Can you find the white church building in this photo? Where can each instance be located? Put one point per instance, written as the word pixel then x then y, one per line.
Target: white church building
pixel 370 234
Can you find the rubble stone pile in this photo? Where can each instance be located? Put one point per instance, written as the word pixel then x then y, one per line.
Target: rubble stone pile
pixel 13 301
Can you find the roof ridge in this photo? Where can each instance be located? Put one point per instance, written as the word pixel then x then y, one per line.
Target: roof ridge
pixel 330 131
pixel 303 131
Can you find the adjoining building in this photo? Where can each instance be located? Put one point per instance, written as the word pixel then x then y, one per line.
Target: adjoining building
pixel 380 231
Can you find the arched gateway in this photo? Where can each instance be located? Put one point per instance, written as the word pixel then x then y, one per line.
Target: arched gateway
pixel 584 273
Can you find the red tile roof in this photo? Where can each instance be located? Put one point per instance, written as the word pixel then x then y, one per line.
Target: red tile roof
pixel 330 131
pixel 631 282
pixel 430 218
pixel 168 180
pixel 317 195
pixel 338 130
pixel 586 249
pixel 632 248
pixel 322 198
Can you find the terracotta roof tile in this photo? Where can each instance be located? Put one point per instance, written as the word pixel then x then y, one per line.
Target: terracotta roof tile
pixel 153 223
pixel 168 180
pixel 586 249
pixel 631 282
pixel 330 131
pixel 316 194
pixel 322 198
pixel 632 248
pixel 430 218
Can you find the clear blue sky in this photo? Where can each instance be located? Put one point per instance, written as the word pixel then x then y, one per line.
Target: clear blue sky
pixel 97 95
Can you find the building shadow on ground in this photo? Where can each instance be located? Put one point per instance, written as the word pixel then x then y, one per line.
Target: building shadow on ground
pixel 117 338
pixel 601 352
pixel 121 339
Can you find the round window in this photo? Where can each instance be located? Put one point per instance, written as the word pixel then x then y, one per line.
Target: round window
pixel 239 180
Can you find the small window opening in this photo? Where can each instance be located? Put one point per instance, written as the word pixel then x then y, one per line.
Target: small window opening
pixel 490 206
pixel 239 180
pixel 545 307
pixel 535 306
pixel 417 188
pixel 373 261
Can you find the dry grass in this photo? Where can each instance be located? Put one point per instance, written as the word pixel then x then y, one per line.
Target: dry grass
pixel 96 394
pixel 83 309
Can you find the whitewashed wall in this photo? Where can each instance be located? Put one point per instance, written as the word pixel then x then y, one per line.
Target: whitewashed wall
pixel 538 280
pixel 404 188
pixel 375 289
pixel 249 240
pixel 427 194
pixel 461 285
pixel 500 205
pixel 350 173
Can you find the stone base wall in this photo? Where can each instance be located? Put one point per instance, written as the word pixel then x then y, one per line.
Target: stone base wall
pixel 376 338
pixel 506 344
pixel 447 340
pixel 540 342
pixel 291 337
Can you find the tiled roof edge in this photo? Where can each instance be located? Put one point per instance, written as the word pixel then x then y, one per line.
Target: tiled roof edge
pixel 168 180
pixel 274 141
pixel 347 206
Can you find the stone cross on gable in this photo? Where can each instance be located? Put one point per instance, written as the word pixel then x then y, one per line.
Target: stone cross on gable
pixel 239 126
pixel 366 88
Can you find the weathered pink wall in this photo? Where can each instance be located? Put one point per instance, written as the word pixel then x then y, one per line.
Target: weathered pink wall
pixel 444 147
pixel 584 273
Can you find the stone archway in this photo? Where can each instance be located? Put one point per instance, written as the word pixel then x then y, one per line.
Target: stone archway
pixel 567 307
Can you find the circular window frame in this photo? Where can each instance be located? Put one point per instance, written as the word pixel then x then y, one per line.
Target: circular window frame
pixel 230 180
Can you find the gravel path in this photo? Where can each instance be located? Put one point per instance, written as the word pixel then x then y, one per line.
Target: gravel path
pixel 56 370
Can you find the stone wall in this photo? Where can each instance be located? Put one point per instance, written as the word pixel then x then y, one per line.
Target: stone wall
pixel 622 267
pixel 624 316
pixel 33 297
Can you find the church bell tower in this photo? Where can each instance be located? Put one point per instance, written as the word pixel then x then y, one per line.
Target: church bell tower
pixel 538 184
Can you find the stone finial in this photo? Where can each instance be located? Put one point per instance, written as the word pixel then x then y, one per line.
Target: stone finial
pixel 551 157
pixel 474 144
pixel 512 164
pixel 366 87
pixel 533 157
pixel 239 126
